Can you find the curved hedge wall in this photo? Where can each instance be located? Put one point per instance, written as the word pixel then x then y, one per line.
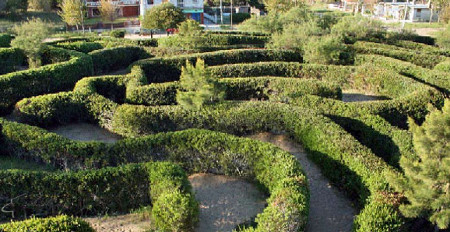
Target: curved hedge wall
pixel 10 58
pixel 111 59
pixel 46 79
pixel 53 224
pixel 5 40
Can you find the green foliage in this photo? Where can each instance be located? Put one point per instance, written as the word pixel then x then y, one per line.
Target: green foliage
pixel 240 17
pixel 443 38
pixel 163 16
pixel 80 46
pixel 54 224
pixel 189 27
pixel 118 33
pixel 5 40
pixel 16 6
pixel 328 50
pixel 295 36
pixel 353 28
pixel 111 59
pixel 198 86
pixel 378 217
pixel 425 182
pixel 29 37
pixel 46 79
pixel 174 211
pixel 189 36
pixel 444 66
pixel 72 12
pixel 40 5
pixel 9 59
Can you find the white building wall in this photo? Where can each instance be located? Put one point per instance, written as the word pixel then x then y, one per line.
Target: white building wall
pixel 184 4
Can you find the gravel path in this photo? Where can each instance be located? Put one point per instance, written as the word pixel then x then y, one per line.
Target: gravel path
pixel 225 202
pixel 329 210
pixel 85 132
pixel 358 97
pixel 122 223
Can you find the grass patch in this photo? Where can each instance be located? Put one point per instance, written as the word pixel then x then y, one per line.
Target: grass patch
pixel 9 163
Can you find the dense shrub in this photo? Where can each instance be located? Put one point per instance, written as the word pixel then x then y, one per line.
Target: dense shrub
pixel 444 66
pixel 81 46
pixel 354 28
pixel 46 79
pixel 5 40
pixel 328 50
pixel 10 58
pixel 295 36
pixel 52 224
pixel 111 59
pixel 410 36
pixel 169 69
pixel 240 17
pixel 118 33
pixel 423 59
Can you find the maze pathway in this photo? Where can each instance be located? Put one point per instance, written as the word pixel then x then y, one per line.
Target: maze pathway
pixel 225 202
pixel 329 209
pixel 85 132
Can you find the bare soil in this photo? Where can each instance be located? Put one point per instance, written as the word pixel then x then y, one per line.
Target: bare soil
pixel 330 209
pixel 86 132
pixel 122 223
pixel 355 96
pixel 225 202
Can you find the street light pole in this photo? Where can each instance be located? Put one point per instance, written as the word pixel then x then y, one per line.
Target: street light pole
pixel 231 15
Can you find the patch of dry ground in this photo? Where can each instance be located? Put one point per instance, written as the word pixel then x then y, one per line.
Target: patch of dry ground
pixel 225 202
pixel 329 209
pixel 122 223
pixel 85 132
pixel 356 96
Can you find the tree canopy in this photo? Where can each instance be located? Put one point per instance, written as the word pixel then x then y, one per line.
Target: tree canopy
pixel 163 16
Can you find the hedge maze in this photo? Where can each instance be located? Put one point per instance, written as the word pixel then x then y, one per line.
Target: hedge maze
pixel 356 144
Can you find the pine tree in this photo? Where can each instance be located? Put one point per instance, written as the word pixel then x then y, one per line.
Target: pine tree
pixel 198 86
pixel 426 183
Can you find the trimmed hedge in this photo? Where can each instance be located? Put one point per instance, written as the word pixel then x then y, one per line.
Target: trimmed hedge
pixel 54 224
pixel 169 69
pixel 196 150
pixel 444 66
pixel 10 58
pixel 46 79
pixel 262 88
pixel 224 32
pixel 111 59
pixel 5 40
pixel 438 79
pixel 423 59
pixel 80 46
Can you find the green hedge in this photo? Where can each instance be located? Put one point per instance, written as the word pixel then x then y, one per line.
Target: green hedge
pixel 80 46
pixel 54 224
pixel 444 66
pixel 46 79
pixel 111 59
pixel 435 78
pixel 10 58
pixel 224 32
pixel 5 40
pixel 196 150
pixel 169 69
pixel 424 59
pixel 262 88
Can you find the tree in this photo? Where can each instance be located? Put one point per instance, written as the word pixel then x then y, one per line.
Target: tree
pixel 198 86
pixel 108 11
pixel 72 12
pixel 295 36
pixel 327 50
pixel 426 180
pixel 189 36
pixel 163 16
pixel 40 5
pixel 29 38
pixel 280 6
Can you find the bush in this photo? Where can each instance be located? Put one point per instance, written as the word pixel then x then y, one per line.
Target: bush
pixel 240 17
pixel 353 28
pixel 54 224
pixel 378 217
pixel 10 58
pixel 444 66
pixel 163 16
pixel 295 36
pixel 174 212
pixel 328 50
pixel 5 40
pixel 80 46
pixel 111 59
pixel 118 33
pixel 46 79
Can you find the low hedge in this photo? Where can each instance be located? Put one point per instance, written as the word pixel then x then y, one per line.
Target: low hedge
pixel 54 224
pixel 395 36
pixel 225 32
pixel 196 150
pixel 46 79
pixel 444 66
pixel 10 58
pixel 424 59
pixel 5 40
pixel 262 88
pixel 169 69
pixel 111 59
pixel 80 46
pixel 435 78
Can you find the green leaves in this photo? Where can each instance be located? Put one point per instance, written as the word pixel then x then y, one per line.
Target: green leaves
pixel 163 16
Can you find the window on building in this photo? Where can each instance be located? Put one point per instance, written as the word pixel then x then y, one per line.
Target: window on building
pixel 180 3
pixel 150 2
pixel 195 1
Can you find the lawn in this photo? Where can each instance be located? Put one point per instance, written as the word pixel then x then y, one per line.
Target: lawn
pixel 8 21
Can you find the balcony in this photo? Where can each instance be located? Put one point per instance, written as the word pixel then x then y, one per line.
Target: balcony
pixel 119 3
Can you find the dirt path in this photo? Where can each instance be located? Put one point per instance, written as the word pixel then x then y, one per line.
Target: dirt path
pixel 329 210
pixel 225 202
pixel 122 223
pixel 85 132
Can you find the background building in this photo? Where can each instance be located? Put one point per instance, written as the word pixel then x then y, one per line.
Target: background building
pixel 126 8
pixel 193 9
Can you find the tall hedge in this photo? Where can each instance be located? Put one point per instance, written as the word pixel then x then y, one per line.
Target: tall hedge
pixel 112 59
pixel 10 58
